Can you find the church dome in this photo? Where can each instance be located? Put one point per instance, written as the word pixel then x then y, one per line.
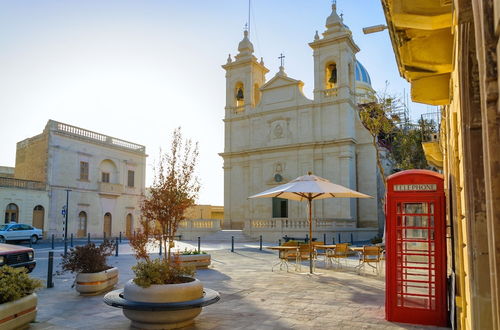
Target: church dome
pixel 362 75
pixel 245 47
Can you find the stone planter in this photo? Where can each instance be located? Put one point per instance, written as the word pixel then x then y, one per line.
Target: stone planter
pixel 18 313
pixel 196 260
pixel 165 293
pixel 95 283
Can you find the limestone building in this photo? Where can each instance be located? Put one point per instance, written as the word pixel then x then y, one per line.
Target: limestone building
pixel 274 133
pixel 105 177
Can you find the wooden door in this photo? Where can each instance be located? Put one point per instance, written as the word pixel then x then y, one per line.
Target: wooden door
pixel 107 224
pixel 129 225
pixel 38 217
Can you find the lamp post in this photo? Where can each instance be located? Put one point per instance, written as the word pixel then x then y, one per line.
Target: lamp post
pixel 66 224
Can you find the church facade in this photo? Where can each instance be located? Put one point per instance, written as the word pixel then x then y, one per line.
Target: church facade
pixel 274 133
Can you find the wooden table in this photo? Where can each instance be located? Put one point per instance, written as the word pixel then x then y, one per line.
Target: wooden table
pixel 283 255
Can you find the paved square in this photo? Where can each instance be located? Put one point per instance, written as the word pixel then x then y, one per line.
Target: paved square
pixel 252 297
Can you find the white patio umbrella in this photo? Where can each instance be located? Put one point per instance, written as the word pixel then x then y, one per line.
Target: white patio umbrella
pixel 307 188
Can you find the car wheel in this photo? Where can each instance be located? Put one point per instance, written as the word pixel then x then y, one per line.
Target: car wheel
pixel 34 239
pixel 2 239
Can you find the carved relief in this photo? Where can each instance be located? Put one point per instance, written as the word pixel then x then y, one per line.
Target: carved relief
pixel 279 128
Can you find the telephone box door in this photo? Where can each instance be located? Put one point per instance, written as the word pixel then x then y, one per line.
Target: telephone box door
pixel 416 259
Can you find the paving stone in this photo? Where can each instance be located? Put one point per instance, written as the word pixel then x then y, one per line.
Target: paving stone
pixel 252 297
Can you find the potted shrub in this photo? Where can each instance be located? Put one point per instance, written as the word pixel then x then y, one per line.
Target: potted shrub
pixel 195 258
pixel 93 274
pixel 165 280
pixel 18 299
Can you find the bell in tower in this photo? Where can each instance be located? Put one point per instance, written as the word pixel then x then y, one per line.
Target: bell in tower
pixel 239 94
pixel 333 74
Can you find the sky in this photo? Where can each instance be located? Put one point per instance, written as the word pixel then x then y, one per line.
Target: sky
pixel 136 70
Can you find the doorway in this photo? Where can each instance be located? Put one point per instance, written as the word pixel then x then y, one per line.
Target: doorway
pixel 107 224
pixel 38 217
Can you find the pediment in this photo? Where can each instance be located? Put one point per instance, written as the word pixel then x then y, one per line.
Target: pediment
pixel 279 81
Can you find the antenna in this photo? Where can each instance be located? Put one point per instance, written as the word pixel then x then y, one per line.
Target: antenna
pixel 249 6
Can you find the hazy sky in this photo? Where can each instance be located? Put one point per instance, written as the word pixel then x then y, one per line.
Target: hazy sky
pixel 137 69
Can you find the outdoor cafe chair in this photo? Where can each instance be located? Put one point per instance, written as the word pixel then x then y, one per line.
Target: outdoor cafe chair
pixel 371 256
pixel 340 252
pixel 303 254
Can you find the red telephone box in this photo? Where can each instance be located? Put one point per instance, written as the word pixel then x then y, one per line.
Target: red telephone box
pixel 416 248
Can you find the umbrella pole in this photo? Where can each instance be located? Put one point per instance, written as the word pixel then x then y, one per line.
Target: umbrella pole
pixel 310 236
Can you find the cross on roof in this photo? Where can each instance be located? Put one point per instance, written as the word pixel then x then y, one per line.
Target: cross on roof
pixel 282 57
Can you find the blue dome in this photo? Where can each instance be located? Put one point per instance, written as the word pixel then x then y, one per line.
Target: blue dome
pixel 361 74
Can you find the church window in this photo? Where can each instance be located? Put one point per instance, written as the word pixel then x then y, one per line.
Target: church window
pixel 84 171
pixel 331 75
pixel 280 207
pixel 105 177
pixel 130 181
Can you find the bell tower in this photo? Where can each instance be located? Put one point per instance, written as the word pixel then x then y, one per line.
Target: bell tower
pixel 244 77
pixel 334 60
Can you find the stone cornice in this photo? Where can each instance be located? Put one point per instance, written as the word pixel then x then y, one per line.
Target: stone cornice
pixel 290 108
pixel 288 147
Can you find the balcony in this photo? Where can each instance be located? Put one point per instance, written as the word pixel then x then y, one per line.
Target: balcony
pixel 112 189
pixel 430 125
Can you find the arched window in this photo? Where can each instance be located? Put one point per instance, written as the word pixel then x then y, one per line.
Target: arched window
pixel 38 217
pixel 107 228
pixel 109 171
pixel 129 223
pixel 11 213
pixel 82 224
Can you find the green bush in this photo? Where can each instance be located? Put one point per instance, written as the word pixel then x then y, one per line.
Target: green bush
pixel 15 283
pixel 159 271
pixel 88 258
pixel 187 252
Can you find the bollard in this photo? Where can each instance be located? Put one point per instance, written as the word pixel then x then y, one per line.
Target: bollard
pixel 260 247
pixel 71 241
pixel 352 239
pixel 134 233
pixel 160 248
pixel 120 237
pixel 307 238
pixel 104 236
pixel 339 237
pixel 232 243
pixel 279 242
pixel 88 238
pixel 116 253
pixel 199 244
pixel 50 267
pixel 52 241
pixel 324 238
pixel 333 239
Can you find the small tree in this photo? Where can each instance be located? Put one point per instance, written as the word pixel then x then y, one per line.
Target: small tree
pixel 175 188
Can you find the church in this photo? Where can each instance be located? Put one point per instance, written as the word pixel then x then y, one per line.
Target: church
pixel 274 133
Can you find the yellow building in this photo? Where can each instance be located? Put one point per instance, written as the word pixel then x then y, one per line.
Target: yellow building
pixel 448 51
pixel 205 212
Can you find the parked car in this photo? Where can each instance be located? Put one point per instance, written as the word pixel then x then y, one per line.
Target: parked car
pixel 19 232
pixel 17 256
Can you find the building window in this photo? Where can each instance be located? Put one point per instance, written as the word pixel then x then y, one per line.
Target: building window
pixel 105 177
pixel 280 207
pixel 131 175
pixel 11 213
pixel 84 171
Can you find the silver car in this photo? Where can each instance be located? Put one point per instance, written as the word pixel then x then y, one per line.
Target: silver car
pixel 19 232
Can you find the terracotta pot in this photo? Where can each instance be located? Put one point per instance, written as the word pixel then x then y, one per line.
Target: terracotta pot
pixel 95 283
pixel 196 260
pixel 18 313
pixel 162 294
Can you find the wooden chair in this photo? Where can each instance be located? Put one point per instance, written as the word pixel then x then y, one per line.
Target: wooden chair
pixel 341 251
pixel 370 255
